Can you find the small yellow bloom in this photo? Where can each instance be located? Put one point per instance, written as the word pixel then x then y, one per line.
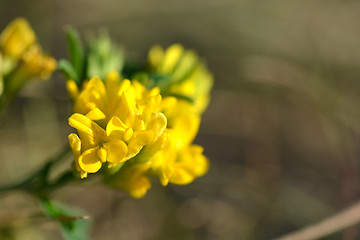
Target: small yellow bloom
pixel 17 38
pixel 188 76
pixel 162 162
pixel 178 165
pixel 132 179
pixel 36 64
pixel 183 120
pixel 22 57
pixel 96 146
pixel 179 162
pixel 190 164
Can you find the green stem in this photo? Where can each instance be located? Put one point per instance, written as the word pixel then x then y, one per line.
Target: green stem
pixel 65 178
pixel 38 183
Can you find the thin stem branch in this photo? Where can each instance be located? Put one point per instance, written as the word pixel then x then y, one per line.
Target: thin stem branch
pixel 38 179
pixel 346 218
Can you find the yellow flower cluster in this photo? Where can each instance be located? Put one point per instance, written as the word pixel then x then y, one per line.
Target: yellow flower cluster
pixel 115 120
pixel 172 158
pixel 180 162
pixel 136 133
pixel 21 56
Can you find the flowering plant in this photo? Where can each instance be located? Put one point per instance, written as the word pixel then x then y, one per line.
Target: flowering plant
pixel 131 123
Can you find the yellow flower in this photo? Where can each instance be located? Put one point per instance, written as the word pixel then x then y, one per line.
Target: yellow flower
pixel 136 132
pixel 178 165
pixel 182 118
pixel 115 121
pixel 188 76
pixel 96 146
pixel 33 64
pixel 190 163
pixel 16 38
pixel 162 161
pixel 36 64
pixel 132 179
pixel 187 94
pixel 179 162
pixel 22 57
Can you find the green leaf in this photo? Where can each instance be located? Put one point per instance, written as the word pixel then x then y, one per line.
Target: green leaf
pixel 115 60
pixel 132 69
pixel 103 56
pixel 1 84
pixel 182 97
pixel 74 224
pixel 67 68
pixel 76 50
pixel 185 66
pixel 93 66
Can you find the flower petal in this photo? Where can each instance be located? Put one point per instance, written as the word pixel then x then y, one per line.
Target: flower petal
pixel 140 139
pixel 171 58
pixel 102 154
pixel 116 151
pixel 190 164
pixel 96 114
pixel 89 161
pixel 75 145
pixel 158 124
pixel 115 129
pixel 133 180
pixel 72 89
pixel 90 133
pixel 112 84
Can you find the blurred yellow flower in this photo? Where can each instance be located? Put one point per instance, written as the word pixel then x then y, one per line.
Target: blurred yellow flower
pixel 36 64
pixel 188 75
pixel 190 163
pixel 132 179
pixel 179 162
pixel 187 94
pixel 183 120
pixel 17 38
pixel 22 58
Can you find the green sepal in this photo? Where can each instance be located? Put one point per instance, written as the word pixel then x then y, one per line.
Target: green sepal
pixel 103 56
pixel 113 170
pixel 7 65
pixel 76 51
pixel 1 84
pixel 68 69
pixel 181 97
pixel 74 224
pixel 93 66
pixel 152 80
pixel 185 66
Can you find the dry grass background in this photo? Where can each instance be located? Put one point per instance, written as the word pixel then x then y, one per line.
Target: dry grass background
pixel 282 129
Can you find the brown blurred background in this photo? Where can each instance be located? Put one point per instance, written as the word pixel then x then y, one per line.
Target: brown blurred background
pixel 282 130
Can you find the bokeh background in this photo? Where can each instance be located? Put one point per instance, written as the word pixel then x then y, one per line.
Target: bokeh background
pixel 282 129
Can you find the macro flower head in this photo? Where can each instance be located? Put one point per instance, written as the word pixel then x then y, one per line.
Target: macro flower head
pixel 115 119
pixel 131 130
pixel 135 133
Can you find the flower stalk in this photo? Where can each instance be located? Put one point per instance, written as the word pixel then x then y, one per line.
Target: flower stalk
pixel 38 183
